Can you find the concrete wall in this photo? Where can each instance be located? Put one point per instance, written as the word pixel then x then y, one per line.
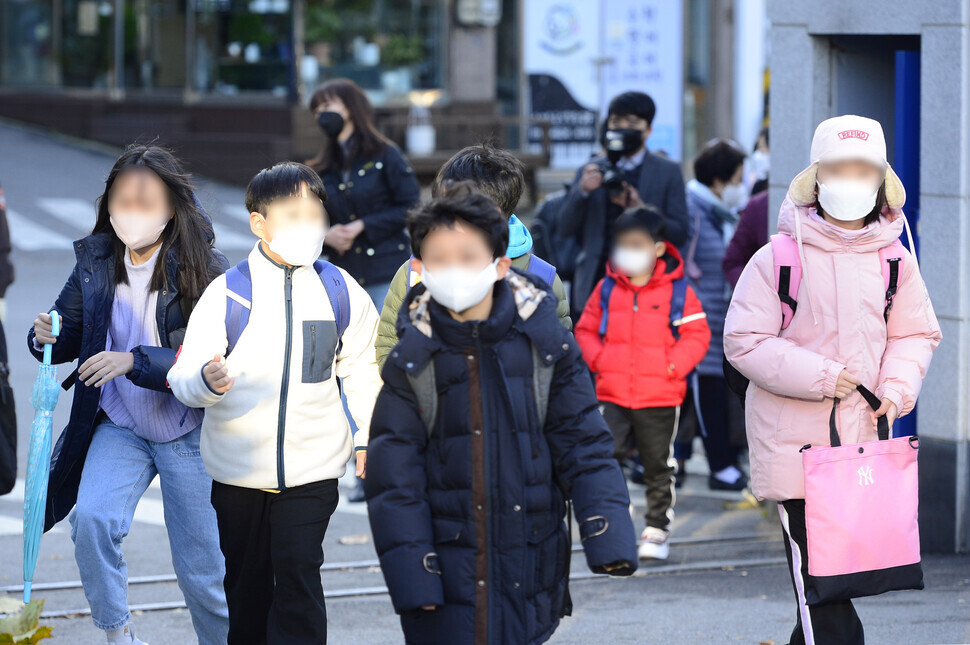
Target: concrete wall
pixel 804 75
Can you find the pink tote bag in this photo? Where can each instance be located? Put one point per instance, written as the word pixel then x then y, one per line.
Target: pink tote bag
pixel 861 509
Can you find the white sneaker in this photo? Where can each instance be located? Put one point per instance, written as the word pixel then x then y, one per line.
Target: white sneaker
pixel 654 544
pixel 123 636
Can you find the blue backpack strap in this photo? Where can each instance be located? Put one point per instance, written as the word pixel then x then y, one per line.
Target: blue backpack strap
pixel 606 290
pixel 542 269
pixel 678 298
pixel 337 292
pixel 239 296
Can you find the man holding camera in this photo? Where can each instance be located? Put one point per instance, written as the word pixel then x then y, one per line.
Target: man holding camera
pixel 627 175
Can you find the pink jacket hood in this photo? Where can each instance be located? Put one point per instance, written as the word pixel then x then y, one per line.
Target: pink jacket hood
pixel 839 324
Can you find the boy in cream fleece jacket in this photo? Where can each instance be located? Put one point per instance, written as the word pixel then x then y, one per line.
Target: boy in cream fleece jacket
pixel 275 438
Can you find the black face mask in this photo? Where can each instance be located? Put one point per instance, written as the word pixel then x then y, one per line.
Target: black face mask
pixel 331 123
pixel 621 142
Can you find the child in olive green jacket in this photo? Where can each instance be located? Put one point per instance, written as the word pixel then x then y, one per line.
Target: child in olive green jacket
pixel 498 173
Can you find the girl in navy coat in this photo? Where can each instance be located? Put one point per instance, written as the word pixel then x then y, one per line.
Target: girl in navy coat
pixel 468 507
pixel 124 310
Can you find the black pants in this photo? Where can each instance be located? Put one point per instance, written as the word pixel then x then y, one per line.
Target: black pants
pixel 834 623
pixel 715 414
pixel 652 430
pixel 273 544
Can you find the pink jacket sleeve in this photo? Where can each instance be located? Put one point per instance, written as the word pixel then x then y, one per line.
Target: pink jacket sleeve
pixel 753 346
pixel 913 334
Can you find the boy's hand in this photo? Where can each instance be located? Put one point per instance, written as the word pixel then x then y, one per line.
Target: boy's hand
pixel 44 330
pixel 429 607
pixel 362 464
pixel 846 384
pixel 104 366
pixel 217 375
pixel 887 409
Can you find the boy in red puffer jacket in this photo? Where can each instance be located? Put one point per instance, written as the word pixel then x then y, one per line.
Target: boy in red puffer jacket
pixel 642 333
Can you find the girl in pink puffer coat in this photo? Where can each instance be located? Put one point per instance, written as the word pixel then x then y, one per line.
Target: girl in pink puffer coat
pixel 841 211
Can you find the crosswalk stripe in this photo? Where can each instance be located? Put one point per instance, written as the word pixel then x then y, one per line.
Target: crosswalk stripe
pixel 235 211
pixel 75 212
pixel 27 235
pixel 229 240
pixel 81 215
pixel 148 511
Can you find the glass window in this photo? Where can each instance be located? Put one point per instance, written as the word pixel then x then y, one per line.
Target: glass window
pixel 155 44
pixel 387 47
pixel 27 42
pixel 243 46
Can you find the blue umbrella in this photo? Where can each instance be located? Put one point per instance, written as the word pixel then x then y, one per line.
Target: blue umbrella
pixel 44 400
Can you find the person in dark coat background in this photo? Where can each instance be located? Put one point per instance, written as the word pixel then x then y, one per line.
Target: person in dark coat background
pixel 6 266
pixel 750 235
pixel 370 185
pixel 713 197
pixel 589 212
pixel 467 515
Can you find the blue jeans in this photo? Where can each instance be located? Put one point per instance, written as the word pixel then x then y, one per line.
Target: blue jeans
pixel 117 471
pixel 377 293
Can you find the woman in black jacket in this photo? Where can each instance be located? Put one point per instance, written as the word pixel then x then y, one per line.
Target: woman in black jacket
pixel 370 185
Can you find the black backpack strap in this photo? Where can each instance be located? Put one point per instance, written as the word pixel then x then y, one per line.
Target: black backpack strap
pixel 892 287
pixel 784 288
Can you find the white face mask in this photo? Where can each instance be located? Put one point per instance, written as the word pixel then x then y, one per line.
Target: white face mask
pixel 299 245
pixel 760 164
pixel 735 195
pixel 457 288
pixel 847 200
pixel 138 231
pixel 633 262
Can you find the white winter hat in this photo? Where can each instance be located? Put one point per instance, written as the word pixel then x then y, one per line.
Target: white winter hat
pixel 844 138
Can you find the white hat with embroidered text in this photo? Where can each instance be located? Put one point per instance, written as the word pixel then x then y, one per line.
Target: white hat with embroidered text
pixel 847 138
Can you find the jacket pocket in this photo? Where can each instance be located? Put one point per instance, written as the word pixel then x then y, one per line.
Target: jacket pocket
pixel 319 349
pixel 446 530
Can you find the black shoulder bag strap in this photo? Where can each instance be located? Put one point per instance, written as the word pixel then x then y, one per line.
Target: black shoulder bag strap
pixel 874 403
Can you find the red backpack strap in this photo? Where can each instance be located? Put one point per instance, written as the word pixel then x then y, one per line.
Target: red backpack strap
pixel 891 259
pixel 788 274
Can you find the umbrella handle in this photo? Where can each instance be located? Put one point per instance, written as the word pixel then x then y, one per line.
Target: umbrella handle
pixel 55 332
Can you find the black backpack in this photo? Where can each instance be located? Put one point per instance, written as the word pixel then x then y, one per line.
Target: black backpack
pixel 548 242
pixel 8 424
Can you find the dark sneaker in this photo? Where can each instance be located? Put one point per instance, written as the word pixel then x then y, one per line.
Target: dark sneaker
pixel 739 484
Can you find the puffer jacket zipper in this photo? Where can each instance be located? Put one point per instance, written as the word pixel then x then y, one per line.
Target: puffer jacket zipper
pixel 285 385
pixel 313 347
pixel 488 502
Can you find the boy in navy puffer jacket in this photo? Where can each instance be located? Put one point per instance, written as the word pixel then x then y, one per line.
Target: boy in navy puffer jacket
pixel 486 424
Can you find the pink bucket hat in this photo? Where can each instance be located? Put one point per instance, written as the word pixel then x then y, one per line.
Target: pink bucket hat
pixel 844 138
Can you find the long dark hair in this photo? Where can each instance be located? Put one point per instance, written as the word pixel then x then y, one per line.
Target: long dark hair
pixel 882 204
pixel 366 141
pixel 188 234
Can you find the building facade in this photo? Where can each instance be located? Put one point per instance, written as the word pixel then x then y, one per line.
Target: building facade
pixel 226 82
